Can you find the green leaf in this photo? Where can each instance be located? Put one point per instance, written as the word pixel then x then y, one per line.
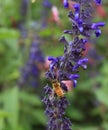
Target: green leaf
pixel 102 95
pixel 30 99
pixel 3 114
pixel 105 125
pixel 75 114
pixel 39 116
pixel 12 107
pixel 1 124
pixel 8 33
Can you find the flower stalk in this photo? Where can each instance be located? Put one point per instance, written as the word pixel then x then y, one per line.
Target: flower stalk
pixel 66 67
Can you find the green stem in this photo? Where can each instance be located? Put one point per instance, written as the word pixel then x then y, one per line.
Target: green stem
pixel 29 15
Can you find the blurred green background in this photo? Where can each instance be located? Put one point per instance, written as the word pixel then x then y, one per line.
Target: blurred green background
pixel 22 21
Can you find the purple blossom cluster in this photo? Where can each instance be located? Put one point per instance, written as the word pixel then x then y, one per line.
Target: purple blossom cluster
pixel 24 7
pixel 47 5
pixel 30 72
pixel 55 111
pixel 66 67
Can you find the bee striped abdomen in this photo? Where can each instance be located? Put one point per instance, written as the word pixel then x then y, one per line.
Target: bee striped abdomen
pixel 57 89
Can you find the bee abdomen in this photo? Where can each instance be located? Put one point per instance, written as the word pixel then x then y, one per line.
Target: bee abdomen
pixel 57 88
pixel 59 92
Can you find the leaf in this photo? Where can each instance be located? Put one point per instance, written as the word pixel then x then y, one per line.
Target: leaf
pixel 102 95
pixel 14 75
pixel 30 99
pixel 75 114
pixel 77 127
pixel 39 116
pixel 105 125
pixel 3 114
pixel 12 107
pixel 89 128
pixel 1 124
pixel 8 33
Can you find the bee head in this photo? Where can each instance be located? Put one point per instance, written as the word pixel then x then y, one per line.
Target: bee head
pixel 54 81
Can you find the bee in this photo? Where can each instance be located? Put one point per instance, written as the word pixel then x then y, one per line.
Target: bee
pixel 57 88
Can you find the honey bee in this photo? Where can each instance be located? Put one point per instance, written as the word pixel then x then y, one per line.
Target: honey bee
pixel 57 88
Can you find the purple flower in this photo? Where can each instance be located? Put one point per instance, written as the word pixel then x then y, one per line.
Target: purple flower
pixel 98 32
pixel 24 7
pixel 97 25
pixel 74 77
pixel 30 73
pixel 47 89
pixel 98 2
pixel 82 63
pixel 81 23
pixel 36 54
pixel 77 11
pixel 54 63
pixel 65 3
pixel 47 3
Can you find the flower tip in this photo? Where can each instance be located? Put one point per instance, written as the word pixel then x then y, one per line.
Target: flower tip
pixel 76 6
pixel 65 3
pixel 98 33
pixel 50 58
pixel 73 76
pixel 102 24
pixel 62 39
pixel 98 2
pixel 74 83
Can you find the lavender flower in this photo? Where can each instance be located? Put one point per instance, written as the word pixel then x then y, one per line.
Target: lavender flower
pixel 47 3
pixel 24 7
pixel 66 4
pixel 46 6
pixel 30 72
pixel 56 111
pixel 98 2
pixel 23 10
pixel 66 67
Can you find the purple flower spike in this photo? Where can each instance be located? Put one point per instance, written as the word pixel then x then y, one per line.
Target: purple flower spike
pixel 65 3
pixel 30 73
pixel 66 67
pixel 47 3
